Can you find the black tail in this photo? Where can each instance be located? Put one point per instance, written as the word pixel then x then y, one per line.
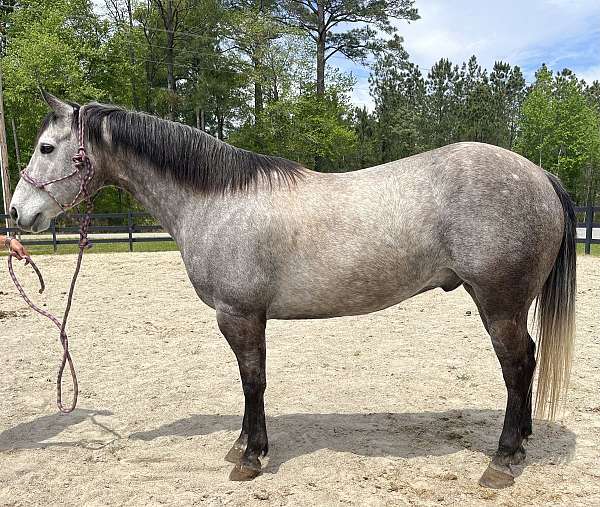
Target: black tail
pixel 555 313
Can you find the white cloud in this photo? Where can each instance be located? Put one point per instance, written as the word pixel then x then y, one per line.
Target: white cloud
pixel 522 33
pixel 560 33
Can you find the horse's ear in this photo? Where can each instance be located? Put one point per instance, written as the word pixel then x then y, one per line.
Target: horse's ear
pixel 58 106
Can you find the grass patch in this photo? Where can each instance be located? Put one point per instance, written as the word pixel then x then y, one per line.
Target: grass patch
pixel 595 250
pixel 151 246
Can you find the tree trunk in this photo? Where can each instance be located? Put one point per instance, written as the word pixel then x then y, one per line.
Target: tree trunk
pixel 322 38
pixel 321 41
pixel 16 140
pixel 4 173
pixel 220 133
pixel 258 104
pixel 220 125
pixel 132 59
pixel 171 84
pixel 200 123
pixel 256 60
pixel 275 90
pixel 258 91
pixel 168 18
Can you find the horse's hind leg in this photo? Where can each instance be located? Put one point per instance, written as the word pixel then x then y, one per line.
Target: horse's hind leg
pixel 526 423
pixel 246 336
pixel 507 326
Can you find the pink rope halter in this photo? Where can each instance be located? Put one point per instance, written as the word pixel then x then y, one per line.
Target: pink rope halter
pixel 81 162
pixel 82 167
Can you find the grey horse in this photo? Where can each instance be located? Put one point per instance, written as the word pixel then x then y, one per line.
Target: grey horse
pixel 265 238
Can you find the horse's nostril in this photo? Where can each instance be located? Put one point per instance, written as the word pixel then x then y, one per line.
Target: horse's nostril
pixel 13 213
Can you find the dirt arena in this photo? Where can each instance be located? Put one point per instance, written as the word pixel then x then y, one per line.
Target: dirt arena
pixel 400 407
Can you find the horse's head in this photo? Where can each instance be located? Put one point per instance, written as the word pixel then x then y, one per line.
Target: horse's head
pixel 49 184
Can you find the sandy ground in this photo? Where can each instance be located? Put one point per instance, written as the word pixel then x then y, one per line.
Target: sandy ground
pixel 400 407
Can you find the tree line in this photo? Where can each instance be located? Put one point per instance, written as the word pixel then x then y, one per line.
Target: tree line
pixel 263 75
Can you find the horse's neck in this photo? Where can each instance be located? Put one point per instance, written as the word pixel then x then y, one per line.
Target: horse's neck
pixel 160 195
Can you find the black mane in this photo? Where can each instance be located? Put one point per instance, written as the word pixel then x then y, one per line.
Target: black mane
pixel 189 155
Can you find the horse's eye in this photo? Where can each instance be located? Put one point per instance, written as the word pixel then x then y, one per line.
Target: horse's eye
pixel 46 148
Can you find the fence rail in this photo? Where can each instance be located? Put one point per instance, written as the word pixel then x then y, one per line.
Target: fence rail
pixel 589 225
pixel 130 226
pixel 133 229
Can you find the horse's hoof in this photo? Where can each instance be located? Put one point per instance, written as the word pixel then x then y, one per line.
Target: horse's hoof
pixel 243 473
pixel 235 454
pixel 495 478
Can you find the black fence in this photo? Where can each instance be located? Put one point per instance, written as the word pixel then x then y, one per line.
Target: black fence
pixel 134 224
pixel 587 213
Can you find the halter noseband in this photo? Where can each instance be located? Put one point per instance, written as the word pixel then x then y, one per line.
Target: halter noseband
pixel 82 167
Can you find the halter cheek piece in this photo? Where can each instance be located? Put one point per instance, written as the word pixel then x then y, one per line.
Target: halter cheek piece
pixel 82 168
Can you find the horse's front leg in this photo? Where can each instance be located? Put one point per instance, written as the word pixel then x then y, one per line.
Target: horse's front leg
pixel 246 336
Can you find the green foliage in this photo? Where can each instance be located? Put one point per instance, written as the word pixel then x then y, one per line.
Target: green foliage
pixel 560 130
pixel 452 104
pixel 302 127
pixel 50 46
pixel 508 92
pixel 368 144
pixel 398 90
pixel 442 105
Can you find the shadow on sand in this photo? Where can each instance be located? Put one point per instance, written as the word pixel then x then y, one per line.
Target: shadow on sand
pixel 291 435
pixel 34 434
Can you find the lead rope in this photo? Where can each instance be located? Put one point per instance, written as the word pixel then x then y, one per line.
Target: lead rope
pixel 83 167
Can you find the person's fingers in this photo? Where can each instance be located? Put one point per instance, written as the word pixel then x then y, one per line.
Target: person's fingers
pixel 19 250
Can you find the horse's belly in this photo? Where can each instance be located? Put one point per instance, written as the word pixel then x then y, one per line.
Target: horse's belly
pixel 330 306
pixel 317 299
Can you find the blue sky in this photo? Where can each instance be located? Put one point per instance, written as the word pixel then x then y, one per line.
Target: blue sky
pixel 561 33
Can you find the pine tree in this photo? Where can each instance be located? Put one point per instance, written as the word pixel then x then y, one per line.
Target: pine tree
pixel 398 90
pixel 442 107
pixel 345 27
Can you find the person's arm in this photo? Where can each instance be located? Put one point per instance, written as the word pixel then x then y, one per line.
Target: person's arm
pixel 14 247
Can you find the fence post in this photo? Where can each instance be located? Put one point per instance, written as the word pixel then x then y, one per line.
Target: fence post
pixel 130 224
pixel 54 244
pixel 589 222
